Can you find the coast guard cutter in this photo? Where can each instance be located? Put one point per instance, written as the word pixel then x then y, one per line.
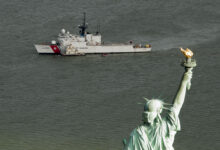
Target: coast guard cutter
pixel 86 43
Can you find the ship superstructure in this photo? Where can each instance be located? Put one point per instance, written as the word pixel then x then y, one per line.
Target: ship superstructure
pixel 86 43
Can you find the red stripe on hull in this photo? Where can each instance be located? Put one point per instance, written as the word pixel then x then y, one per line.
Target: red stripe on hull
pixel 55 49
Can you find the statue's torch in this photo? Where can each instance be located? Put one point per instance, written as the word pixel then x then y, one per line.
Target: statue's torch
pixel 189 63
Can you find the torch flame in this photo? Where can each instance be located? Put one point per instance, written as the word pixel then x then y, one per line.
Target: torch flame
pixel 187 52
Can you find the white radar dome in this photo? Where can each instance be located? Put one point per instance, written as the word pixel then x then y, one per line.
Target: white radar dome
pixel 53 42
pixel 63 31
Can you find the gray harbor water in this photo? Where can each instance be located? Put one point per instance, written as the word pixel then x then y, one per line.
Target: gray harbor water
pixel 90 102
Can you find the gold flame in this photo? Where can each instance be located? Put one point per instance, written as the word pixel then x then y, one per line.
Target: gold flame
pixel 187 52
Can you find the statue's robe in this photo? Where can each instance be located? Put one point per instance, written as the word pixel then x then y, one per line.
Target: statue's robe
pixel 159 136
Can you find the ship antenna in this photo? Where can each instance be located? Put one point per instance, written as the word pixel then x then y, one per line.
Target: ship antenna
pixel 98 29
pixel 84 19
pixel 83 26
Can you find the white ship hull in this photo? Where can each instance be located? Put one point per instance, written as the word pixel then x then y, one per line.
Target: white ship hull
pixel 102 49
pixel 47 49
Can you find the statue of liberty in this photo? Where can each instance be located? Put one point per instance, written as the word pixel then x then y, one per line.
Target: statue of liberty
pixel 157 132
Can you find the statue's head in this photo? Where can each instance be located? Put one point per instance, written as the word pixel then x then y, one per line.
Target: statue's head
pixel 152 110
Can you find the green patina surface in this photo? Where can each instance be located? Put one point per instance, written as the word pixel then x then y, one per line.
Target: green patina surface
pixel 158 136
pixel 156 132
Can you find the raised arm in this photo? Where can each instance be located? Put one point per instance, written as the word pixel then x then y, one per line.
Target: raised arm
pixel 180 96
pixel 186 80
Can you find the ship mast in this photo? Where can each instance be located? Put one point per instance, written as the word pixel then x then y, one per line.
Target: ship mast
pixel 83 26
pixel 98 29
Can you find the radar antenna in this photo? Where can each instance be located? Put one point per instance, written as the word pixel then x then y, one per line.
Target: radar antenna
pixel 98 29
pixel 83 26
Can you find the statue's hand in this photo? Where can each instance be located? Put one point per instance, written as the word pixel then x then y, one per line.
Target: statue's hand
pixel 187 78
